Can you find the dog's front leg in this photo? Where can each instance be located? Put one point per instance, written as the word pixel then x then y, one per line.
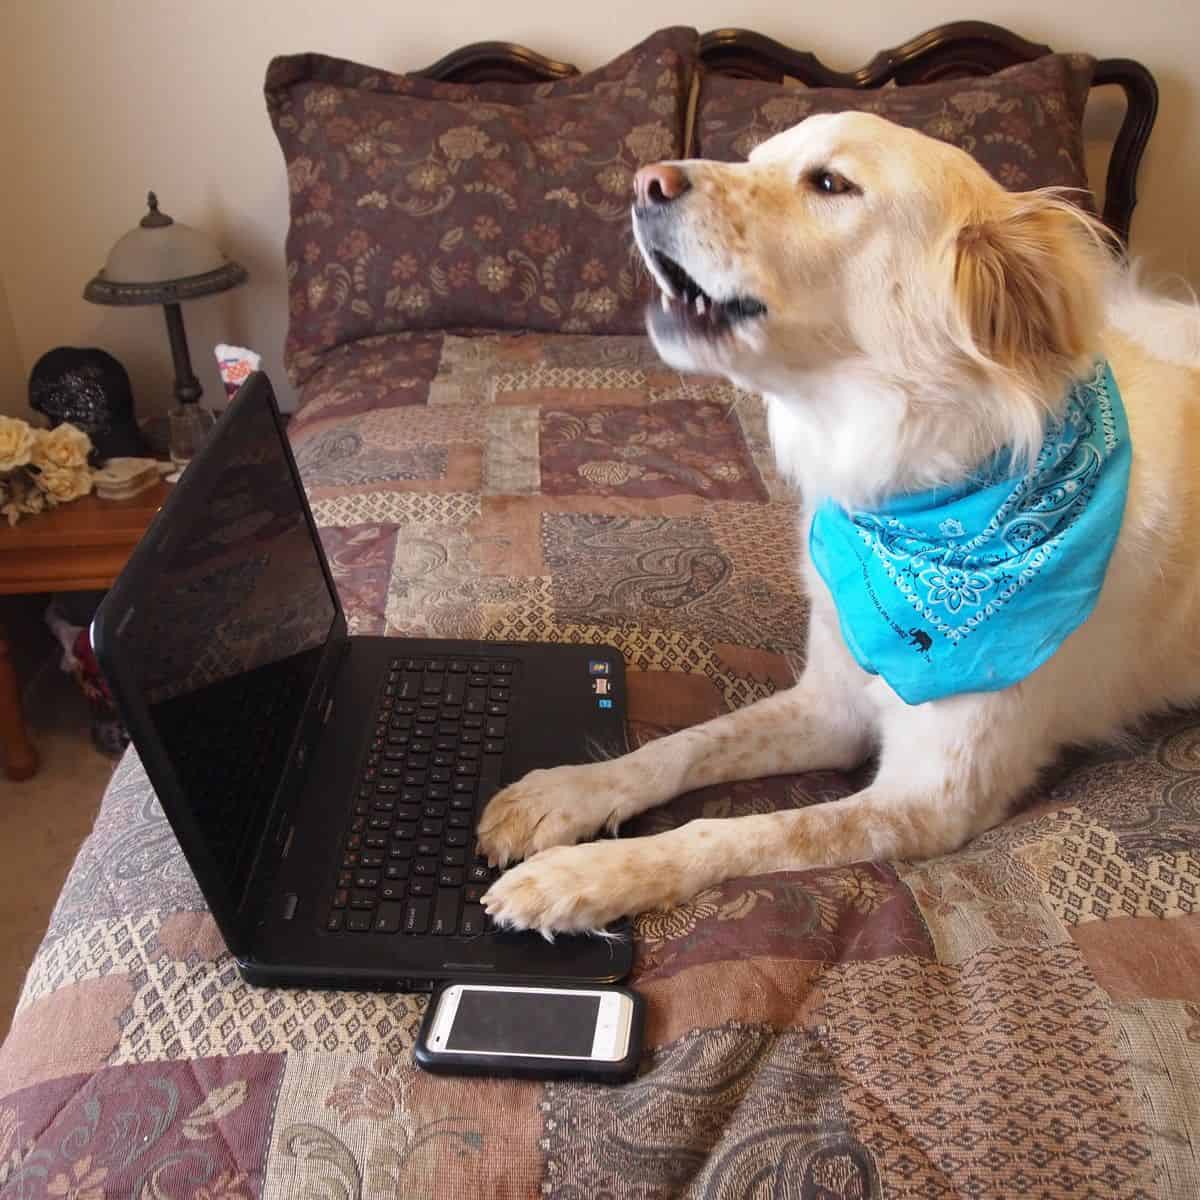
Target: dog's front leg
pixel 934 791
pixel 819 724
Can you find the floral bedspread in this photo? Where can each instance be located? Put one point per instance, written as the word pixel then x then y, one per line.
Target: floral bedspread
pixel 1018 1019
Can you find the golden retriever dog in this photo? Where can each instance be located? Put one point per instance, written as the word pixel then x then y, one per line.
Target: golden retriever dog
pixel 906 320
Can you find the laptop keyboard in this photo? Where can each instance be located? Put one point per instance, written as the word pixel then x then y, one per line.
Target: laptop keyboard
pixel 409 863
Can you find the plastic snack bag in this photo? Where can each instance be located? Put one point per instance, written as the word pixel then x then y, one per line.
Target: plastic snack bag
pixel 235 363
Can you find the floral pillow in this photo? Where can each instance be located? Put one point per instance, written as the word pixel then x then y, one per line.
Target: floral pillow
pixel 421 205
pixel 1023 124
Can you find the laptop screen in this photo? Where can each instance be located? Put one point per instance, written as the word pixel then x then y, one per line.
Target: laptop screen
pixel 225 640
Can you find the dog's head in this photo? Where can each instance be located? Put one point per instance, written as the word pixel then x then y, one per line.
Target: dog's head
pixel 850 243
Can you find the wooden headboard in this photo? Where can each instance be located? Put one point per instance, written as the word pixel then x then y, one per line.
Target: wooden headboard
pixel 959 50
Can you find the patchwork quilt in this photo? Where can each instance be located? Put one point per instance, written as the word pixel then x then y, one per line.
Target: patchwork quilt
pixel 1021 1018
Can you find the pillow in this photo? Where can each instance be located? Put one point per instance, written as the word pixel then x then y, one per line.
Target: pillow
pixel 1023 124
pixel 422 205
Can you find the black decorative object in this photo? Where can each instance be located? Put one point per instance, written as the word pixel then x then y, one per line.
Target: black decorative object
pixel 163 261
pixel 89 389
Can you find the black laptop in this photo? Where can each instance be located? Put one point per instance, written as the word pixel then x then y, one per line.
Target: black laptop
pixel 325 788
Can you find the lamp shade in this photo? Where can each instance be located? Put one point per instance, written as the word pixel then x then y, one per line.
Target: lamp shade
pixel 162 261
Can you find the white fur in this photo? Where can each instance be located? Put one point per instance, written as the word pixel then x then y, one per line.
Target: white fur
pixel 877 382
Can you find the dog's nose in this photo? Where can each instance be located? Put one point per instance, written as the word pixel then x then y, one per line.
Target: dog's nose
pixel 659 184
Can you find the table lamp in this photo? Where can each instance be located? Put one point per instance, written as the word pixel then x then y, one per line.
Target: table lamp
pixel 162 261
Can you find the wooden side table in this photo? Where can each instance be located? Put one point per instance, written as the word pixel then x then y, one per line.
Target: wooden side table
pixel 79 547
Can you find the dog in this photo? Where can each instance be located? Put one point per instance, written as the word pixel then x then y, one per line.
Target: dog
pixel 905 319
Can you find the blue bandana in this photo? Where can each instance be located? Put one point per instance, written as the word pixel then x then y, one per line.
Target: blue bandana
pixel 970 589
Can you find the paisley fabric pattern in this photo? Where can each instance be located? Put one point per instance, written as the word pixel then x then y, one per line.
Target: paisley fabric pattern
pixel 1016 1019
pixel 422 205
pixel 1023 124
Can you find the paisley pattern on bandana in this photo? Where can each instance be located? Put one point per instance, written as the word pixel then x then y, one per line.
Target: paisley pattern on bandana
pixel 997 572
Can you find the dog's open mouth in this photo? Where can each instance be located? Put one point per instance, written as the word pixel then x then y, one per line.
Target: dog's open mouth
pixel 687 302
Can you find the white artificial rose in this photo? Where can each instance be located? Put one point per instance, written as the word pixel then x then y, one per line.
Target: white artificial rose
pixel 62 484
pixel 16 443
pixel 63 446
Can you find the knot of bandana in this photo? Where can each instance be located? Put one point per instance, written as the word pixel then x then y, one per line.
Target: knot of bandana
pixel 971 589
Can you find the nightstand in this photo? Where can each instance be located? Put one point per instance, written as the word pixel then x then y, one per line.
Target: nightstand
pixel 79 547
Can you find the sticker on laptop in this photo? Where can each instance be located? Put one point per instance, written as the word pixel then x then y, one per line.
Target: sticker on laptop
pixel 604 703
pixel 597 666
pixel 601 687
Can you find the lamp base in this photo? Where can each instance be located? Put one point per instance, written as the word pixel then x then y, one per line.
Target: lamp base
pixel 187 386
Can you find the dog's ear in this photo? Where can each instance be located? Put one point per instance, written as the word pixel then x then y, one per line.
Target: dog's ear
pixel 1027 283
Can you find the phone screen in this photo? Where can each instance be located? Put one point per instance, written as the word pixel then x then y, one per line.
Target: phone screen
pixel 542 1023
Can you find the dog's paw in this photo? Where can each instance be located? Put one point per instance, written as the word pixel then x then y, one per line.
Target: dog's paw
pixel 557 807
pixel 571 889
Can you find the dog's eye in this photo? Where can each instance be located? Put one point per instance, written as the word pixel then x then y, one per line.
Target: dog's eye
pixel 830 183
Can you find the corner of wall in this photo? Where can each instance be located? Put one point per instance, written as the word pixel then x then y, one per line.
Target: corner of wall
pixel 14 400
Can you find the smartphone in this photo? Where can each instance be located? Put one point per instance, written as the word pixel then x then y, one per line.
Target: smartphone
pixel 535 1032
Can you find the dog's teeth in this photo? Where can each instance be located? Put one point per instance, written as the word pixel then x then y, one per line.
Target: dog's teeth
pixel 665 301
pixel 700 305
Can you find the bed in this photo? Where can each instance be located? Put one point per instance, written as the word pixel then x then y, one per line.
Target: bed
pixel 1021 1018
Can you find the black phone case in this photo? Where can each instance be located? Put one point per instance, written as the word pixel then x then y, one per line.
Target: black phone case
pixel 447 1062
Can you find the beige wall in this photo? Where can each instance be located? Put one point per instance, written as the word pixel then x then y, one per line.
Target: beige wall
pixel 102 99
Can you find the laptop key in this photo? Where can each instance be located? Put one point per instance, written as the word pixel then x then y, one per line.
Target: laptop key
pixel 479 874
pixel 371 858
pixel 472 722
pixel 431 829
pixel 366 879
pixel 474 892
pixel 491 746
pixel 472 920
pixel 469 767
pixel 463 802
pixel 497 710
pixel 445 912
pixel 439 775
pixel 503 667
pixel 495 727
pixel 388 918
pixel 450 877
pixel 396 870
pixel 438 791
pixel 454 858
pixel 459 820
pixel 359 922
pixel 425 866
pixel 392 891
pixel 427 848
pixel 456 666
pixel 416 916
pixel 404 831
pixel 455 837
pixel 420 887
pixel 376 842
pixel 334 923
pixel 341 898
pixel 362 900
